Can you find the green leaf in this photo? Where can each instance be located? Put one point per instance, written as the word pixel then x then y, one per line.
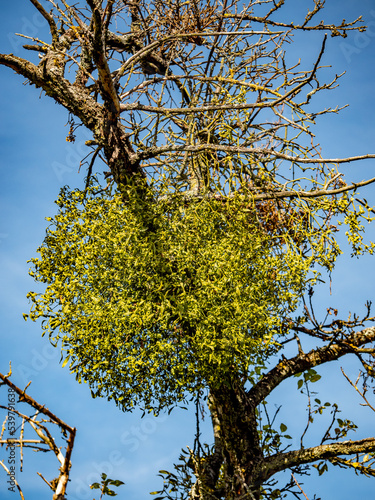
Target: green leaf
pixel 116 482
pixel 65 362
pixel 110 493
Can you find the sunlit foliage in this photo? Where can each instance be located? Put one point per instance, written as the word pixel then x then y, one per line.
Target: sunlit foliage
pixel 152 300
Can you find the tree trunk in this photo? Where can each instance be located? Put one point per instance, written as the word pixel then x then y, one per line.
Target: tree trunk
pixel 239 440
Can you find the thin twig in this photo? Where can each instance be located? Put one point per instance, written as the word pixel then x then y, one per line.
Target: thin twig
pixel 297 483
pixel 14 479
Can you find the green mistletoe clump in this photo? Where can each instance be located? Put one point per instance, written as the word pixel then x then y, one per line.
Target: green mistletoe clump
pixel 151 300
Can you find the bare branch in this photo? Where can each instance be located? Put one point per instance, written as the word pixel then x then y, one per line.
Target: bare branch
pixel 361 393
pixel 289 367
pixel 74 99
pixel 45 436
pixel 299 486
pixel 15 481
pixel 29 400
pixel 282 461
pixel 107 88
pixel 48 18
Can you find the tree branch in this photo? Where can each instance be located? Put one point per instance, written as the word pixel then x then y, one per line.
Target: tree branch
pixel 107 87
pixel 281 461
pixel 303 361
pixel 159 150
pixel 74 99
pixel 46 437
pixel 334 29
pixel 30 401
pixel 48 18
pixel 15 481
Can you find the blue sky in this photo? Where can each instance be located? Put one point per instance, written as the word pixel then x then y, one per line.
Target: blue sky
pixel 36 161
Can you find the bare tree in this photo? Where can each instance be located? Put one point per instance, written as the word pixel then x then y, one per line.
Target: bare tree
pixel 195 91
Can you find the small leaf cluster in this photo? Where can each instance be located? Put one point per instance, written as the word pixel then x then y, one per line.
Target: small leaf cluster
pixel 103 486
pixel 309 375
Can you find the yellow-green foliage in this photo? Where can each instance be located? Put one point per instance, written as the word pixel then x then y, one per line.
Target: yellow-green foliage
pixel 153 299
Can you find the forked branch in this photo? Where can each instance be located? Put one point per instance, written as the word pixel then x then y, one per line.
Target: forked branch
pixel 46 438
